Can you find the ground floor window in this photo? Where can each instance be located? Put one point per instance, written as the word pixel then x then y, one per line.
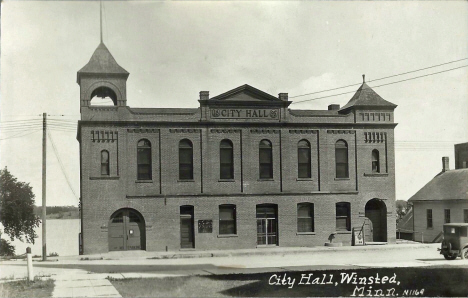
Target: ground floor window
pixel 429 218
pixel 447 216
pixel 227 219
pixel 305 217
pixel 343 216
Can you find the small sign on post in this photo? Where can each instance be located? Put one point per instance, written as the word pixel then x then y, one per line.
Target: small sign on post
pixel 30 266
pixel 358 237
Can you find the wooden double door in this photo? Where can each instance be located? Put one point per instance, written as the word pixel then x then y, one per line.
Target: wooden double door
pixel 126 231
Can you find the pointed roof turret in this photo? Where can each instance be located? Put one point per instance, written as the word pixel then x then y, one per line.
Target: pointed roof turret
pixel 102 62
pixel 365 97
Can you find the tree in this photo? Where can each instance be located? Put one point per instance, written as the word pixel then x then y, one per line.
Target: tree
pixel 17 208
pixel 402 207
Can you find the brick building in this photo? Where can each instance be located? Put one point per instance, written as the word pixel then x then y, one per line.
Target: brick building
pixel 443 200
pixel 240 171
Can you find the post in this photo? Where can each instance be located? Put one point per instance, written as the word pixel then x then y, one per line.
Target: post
pixel 422 236
pixel 30 266
pixel 44 176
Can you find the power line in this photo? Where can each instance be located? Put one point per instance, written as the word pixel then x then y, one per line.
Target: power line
pixel 61 164
pixel 391 83
pixel 19 135
pixel 403 73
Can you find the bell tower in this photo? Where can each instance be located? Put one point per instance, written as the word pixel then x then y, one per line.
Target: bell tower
pixel 102 77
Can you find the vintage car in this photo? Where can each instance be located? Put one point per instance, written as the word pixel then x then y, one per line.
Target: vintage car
pixel 455 241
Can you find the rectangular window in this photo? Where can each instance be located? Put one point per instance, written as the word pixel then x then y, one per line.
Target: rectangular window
pixel 303 166
pixel 465 215
pixel 343 217
pixel 227 220
pixel 266 163
pixel 185 164
pixel 429 218
pixel 226 163
pixel 305 217
pixel 447 216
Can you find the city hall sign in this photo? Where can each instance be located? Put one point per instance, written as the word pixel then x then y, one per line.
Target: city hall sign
pixel 245 113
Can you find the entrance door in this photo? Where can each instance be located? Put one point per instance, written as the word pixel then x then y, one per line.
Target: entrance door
pixel 186 227
pixel 376 212
pixel 126 231
pixel 267 225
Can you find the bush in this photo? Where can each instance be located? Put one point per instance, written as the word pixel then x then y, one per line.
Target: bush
pixel 53 254
pixel 6 249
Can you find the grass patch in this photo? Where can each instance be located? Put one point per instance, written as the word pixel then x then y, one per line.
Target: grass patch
pixel 183 286
pixel 24 289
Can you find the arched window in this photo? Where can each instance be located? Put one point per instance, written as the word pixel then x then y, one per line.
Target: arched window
pixel 144 160
pixel 265 160
pixel 104 162
pixel 303 159
pixel 227 219
pixel 341 159
pixel 375 161
pixel 343 216
pixel 305 217
pixel 226 160
pixel 185 160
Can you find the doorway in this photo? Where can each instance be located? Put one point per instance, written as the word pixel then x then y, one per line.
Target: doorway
pixel 267 225
pixel 376 212
pixel 127 231
pixel 187 239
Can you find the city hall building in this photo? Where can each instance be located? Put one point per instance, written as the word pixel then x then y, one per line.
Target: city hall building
pixel 242 170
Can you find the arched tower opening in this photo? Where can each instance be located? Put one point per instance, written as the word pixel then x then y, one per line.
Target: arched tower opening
pixel 103 96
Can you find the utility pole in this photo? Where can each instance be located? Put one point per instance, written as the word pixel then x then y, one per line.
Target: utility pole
pixel 44 174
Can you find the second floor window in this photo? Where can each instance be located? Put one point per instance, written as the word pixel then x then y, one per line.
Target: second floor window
pixel 265 160
pixel 104 162
pixel 341 159
pixel 375 161
pixel 144 160
pixel 226 160
pixel 185 160
pixel 303 159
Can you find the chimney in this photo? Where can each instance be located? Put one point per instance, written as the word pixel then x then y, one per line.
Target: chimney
pixel 333 107
pixel 204 95
pixel 445 164
pixel 283 96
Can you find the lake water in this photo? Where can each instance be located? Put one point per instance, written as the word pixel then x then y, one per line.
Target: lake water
pixel 62 238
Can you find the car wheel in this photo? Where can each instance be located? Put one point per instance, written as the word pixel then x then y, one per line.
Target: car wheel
pixel 464 253
pixel 450 256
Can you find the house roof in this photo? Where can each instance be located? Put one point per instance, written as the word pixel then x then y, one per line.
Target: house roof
pixel 448 185
pixel 366 97
pixel 102 62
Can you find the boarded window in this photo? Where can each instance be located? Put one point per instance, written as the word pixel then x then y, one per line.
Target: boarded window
pixel 226 160
pixel 343 216
pixel 266 160
pixel 341 159
pixel 144 160
pixel 305 217
pixel 227 219
pixel 185 160
pixel 303 159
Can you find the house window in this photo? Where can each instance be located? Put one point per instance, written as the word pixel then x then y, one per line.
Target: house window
pixel 303 159
pixel 144 160
pixel 227 220
pixel 226 160
pixel 447 216
pixel 375 161
pixel 104 162
pixel 185 160
pixel 429 218
pixel 465 215
pixel 266 160
pixel 305 217
pixel 343 216
pixel 341 159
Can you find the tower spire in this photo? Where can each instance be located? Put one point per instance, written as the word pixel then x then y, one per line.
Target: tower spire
pixel 100 11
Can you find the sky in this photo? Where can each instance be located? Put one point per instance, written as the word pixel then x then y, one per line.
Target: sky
pixel 173 50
